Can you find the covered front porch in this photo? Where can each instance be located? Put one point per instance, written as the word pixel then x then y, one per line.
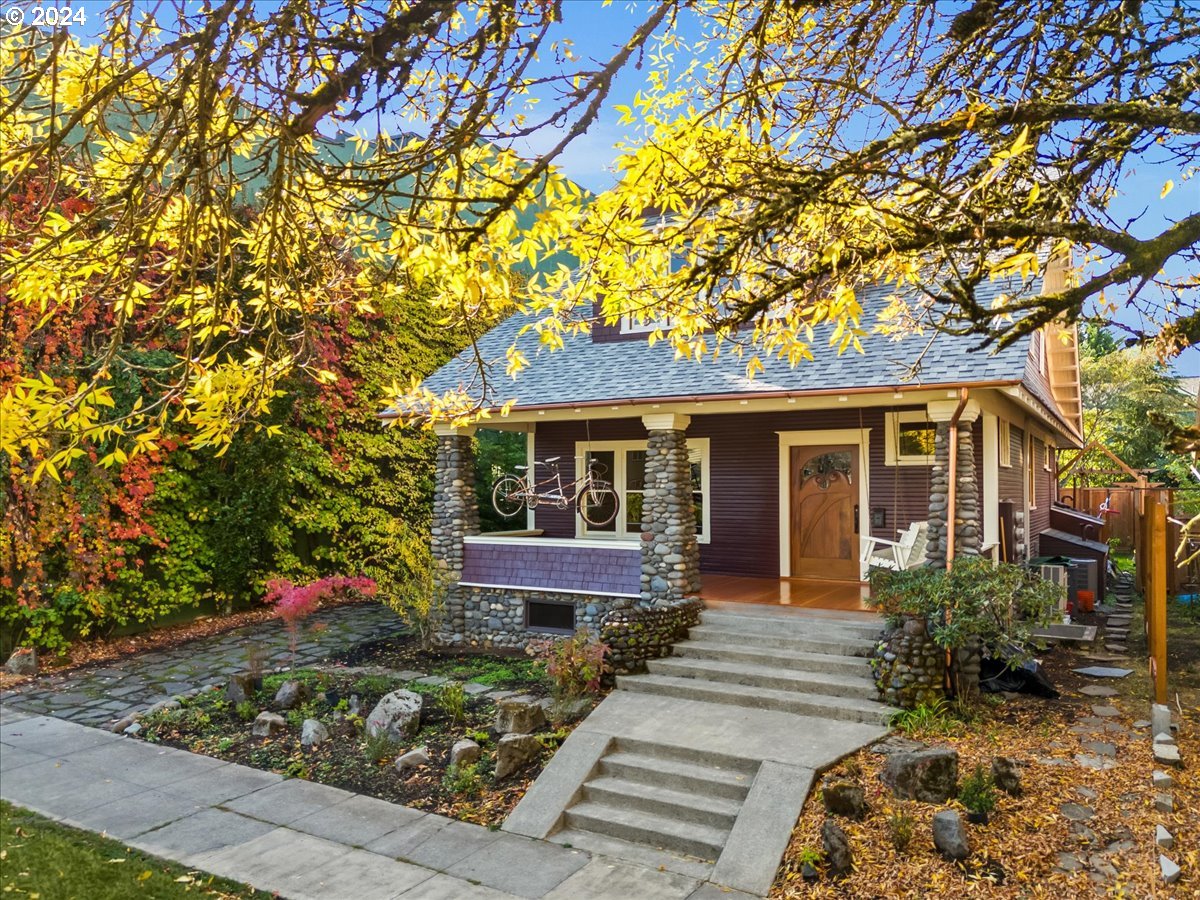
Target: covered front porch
pixel 776 506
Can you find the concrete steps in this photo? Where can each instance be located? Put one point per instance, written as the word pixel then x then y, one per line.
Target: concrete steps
pixel 830 663
pixel 825 643
pixel 680 800
pixel 845 709
pixel 794 625
pixel 859 686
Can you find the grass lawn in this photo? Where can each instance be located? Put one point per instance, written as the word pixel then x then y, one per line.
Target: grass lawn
pixel 42 860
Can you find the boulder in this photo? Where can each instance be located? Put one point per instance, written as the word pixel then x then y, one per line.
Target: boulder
pixel 844 799
pixel 519 715
pixel 515 752
pixel 268 724
pixel 242 687
pixel 291 694
pixel 1169 868
pixel 837 849
pixel 930 776
pixel 1006 773
pixel 412 760
pixel 464 752
pixel 312 732
pixel 950 835
pixel 23 661
pixel 398 715
pixel 1163 838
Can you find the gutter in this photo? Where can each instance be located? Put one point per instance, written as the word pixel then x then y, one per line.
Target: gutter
pixel 755 395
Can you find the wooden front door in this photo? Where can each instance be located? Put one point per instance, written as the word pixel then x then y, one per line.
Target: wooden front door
pixel 824 512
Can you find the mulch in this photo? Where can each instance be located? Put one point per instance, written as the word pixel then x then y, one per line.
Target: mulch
pixel 1016 854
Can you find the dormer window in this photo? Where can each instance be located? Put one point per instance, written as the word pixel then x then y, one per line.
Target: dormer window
pixel 631 325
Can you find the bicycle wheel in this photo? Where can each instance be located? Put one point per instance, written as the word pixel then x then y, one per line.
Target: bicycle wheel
pixel 599 505
pixel 508 496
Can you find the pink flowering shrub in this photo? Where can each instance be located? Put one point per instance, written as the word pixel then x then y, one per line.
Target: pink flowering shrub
pixel 295 603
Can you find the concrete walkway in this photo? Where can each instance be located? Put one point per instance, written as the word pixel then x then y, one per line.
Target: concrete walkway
pixel 296 838
pixel 106 693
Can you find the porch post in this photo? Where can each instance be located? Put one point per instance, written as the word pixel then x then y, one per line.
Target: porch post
pixel 455 513
pixel 670 553
pixel 966 517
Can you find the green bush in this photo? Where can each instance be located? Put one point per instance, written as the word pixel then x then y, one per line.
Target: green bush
pixel 380 748
pixel 998 605
pixel 978 792
pixel 926 718
pixel 463 780
pixel 900 828
pixel 247 711
pixel 452 697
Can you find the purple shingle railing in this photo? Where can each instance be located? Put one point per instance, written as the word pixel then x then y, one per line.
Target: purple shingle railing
pixel 534 563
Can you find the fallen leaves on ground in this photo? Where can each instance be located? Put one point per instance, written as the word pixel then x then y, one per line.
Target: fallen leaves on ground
pixel 1016 854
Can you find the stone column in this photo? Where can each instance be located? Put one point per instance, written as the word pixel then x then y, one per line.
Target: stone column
pixel 670 553
pixel 966 516
pixel 455 513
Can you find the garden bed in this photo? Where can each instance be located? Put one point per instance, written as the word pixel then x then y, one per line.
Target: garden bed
pixel 343 695
pixel 1031 847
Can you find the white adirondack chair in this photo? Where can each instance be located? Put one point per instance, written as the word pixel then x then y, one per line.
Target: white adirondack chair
pixel 906 553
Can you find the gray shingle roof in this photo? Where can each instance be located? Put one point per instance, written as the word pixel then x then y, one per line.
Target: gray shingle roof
pixel 586 372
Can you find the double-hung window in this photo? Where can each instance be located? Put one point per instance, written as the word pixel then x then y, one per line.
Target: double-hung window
pixel 623 463
pixel 909 439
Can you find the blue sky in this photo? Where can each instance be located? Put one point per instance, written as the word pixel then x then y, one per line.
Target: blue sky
pixel 596 30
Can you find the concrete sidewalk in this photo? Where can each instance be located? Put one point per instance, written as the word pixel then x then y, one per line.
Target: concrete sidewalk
pixel 299 839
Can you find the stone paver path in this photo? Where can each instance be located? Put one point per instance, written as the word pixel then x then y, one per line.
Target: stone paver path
pixel 106 693
pixel 299 839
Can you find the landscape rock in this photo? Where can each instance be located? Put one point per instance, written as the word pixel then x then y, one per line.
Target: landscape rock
pixel 930 776
pixel 1098 690
pixel 312 732
pixel 1006 773
pixel 1160 718
pixel 1162 780
pixel 291 694
pixel 950 835
pixel 1163 803
pixel 412 759
pixel 133 728
pixel 896 744
pixel 242 687
pixel 519 715
pixel 354 706
pixel 837 848
pixel 515 752
pixel 1170 871
pixel 268 724
pixel 844 799
pixel 464 752
pixel 1163 838
pixel 1105 712
pixel 398 715
pixel 1166 755
pixel 121 724
pixel 1076 812
pixel 1101 748
pixel 23 661
pixel 1068 862
pixel 1164 737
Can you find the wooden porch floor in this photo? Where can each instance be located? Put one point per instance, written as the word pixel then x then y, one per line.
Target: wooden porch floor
pixel 797 593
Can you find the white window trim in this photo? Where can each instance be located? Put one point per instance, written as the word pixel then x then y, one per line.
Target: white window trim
pixel 630 325
pixel 1030 470
pixel 1005 444
pixel 1046 456
pixel 891 446
pixel 619 449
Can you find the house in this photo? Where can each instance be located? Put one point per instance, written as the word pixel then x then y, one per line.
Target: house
pixel 738 489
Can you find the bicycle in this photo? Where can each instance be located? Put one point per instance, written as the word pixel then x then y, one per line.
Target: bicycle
pixel 592 495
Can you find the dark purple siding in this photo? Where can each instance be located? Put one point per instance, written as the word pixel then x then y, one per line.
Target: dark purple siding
pixel 587 569
pixel 1012 478
pixel 1039 516
pixel 744 481
pixel 603 333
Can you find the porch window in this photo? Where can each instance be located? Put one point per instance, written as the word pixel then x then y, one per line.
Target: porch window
pixel 910 439
pixel 624 464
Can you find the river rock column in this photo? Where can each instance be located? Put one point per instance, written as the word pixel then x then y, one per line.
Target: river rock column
pixel 966 517
pixel 670 552
pixel 455 515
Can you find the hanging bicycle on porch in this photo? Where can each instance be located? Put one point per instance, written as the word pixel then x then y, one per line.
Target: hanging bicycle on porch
pixel 592 495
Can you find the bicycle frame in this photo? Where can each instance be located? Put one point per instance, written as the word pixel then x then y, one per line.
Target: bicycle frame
pixel 539 489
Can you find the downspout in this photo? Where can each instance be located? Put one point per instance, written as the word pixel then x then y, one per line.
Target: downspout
pixel 952 507
pixel 952 475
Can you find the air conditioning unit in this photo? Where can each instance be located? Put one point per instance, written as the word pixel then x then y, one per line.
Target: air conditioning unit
pixel 1057 574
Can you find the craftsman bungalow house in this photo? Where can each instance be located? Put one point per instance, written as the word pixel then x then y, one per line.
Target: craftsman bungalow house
pixel 754 490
